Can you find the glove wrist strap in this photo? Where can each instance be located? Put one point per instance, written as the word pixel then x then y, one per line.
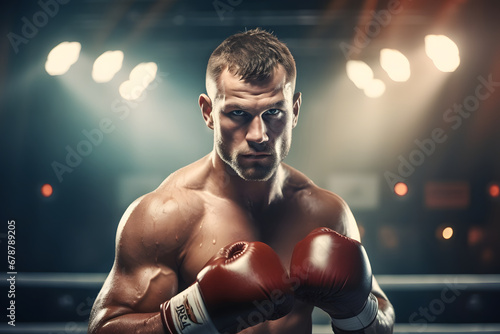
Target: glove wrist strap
pixel 186 313
pixel 362 320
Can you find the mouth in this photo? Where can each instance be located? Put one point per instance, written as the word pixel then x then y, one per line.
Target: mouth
pixel 256 156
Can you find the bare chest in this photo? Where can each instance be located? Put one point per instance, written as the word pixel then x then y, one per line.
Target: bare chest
pixel 281 228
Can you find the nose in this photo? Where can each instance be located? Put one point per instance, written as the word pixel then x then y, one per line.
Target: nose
pixel 257 131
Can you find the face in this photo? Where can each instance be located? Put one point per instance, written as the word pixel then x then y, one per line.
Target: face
pixel 252 122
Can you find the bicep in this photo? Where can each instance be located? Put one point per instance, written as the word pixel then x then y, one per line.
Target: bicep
pixel 140 290
pixel 143 276
pixel 127 293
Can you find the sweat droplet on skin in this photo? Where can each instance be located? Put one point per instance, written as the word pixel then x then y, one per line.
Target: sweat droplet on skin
pixel 213 241
pixel 201 245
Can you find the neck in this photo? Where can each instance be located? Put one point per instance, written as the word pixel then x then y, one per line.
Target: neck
pixel 254 195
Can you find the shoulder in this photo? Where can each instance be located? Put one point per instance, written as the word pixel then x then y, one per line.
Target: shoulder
pixel 324 207
pixel 159 223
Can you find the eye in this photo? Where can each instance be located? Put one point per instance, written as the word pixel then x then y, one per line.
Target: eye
pixel 237 113
pixel 273 112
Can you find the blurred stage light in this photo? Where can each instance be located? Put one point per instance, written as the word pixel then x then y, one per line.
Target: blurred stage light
pixel 61 57
pixel 140 78
pixel 107 65
pixel 362 76
pixel 375 88
pixel 443 52
pixel 494 190
pixel 447 233
pixel 401 189
pixel 359 72
pixel 46 190
pixel 395 64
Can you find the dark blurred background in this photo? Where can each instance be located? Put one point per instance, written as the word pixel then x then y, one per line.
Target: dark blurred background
pixel 436 133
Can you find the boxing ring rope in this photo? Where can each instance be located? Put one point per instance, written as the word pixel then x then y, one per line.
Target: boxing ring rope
pixel 64 328
pixel 431 328
pixel 387 282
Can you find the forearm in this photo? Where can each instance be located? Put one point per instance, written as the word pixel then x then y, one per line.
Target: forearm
pixel 383 323
pixel 138 323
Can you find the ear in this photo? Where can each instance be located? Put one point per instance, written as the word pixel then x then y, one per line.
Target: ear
pixel 206 110
pixel 297 101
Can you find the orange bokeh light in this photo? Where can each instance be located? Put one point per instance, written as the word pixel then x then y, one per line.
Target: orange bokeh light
pixel 401 189
pixel 46 190
pixel 494 190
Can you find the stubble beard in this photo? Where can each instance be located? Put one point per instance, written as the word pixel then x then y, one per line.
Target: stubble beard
pixel 252 171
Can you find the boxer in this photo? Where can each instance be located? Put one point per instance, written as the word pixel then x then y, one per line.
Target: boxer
pixel 239 241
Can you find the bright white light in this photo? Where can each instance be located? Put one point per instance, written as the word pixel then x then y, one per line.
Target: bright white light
pixel 62 57
pixel 447 233
pixel 375 88
pixel 140 77
pixel 107 65
pixel 395 64
pixel 443 52
pixel 359 73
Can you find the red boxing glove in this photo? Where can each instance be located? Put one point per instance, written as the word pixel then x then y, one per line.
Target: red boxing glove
pixel 335 275
pixel 243 285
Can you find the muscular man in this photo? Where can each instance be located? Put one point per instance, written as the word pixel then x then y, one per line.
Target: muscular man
pixel 242 191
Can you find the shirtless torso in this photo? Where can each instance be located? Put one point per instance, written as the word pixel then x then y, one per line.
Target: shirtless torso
pixel 242 190
pixel 166 237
